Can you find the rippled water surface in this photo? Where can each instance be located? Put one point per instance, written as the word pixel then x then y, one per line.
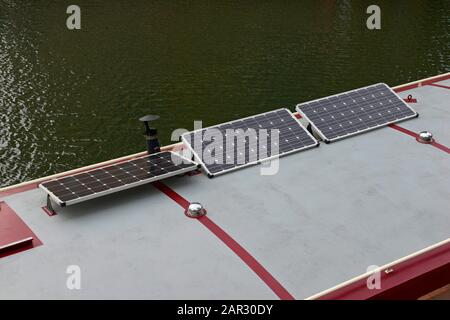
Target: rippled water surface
pixel 71 98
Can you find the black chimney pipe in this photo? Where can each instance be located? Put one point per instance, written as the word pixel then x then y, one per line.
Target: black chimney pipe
pixel 151 134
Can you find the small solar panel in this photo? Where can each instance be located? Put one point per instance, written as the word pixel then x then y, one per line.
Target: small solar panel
pixel 355 111
pixel 98 182
pixel 240 143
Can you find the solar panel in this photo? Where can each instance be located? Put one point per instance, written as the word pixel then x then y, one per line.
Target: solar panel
pixel 98 182
pixel 355 111
pixel 240 143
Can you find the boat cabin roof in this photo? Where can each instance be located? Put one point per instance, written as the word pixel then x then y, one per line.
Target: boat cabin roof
pixel 326 217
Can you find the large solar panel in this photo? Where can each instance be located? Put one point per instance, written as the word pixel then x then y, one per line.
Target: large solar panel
pixel 355 111
pixel 98 182
pixel 248 141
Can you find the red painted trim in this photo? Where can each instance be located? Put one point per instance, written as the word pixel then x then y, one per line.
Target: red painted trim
pixel 440 147
pixel 171 194
pixel 415 135
pixel 439 85
pixel 407 87
pixel 240 251
pixel 405 131
pixel 12 229
pixel 245 256
pixel 49 212
pixel 410 279
pixel 20 189
pixel 423 83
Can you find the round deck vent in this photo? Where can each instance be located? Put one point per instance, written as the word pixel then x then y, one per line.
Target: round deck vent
pixel 195 210
pixel 425 137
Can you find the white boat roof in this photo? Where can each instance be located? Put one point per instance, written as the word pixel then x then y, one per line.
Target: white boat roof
pixel 323 219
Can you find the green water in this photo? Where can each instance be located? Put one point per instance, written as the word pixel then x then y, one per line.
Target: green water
pixel 71 98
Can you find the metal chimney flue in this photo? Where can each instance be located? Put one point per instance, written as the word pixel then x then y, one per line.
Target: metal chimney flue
pixel 151 134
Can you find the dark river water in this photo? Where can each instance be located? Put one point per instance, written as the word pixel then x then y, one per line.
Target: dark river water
pixel 72 98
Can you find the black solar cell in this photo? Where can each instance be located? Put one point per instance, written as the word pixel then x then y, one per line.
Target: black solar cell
pixel 248 141
pixel 116 177
pixel 354 112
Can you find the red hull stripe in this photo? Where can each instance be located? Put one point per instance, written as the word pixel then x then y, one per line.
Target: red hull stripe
pixel 409 279
pixel 415 135
pixel 245 256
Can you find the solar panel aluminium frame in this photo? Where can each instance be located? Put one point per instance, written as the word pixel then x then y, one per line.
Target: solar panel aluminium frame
pixel 326 140
pixel 120 188
pixel 211 175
